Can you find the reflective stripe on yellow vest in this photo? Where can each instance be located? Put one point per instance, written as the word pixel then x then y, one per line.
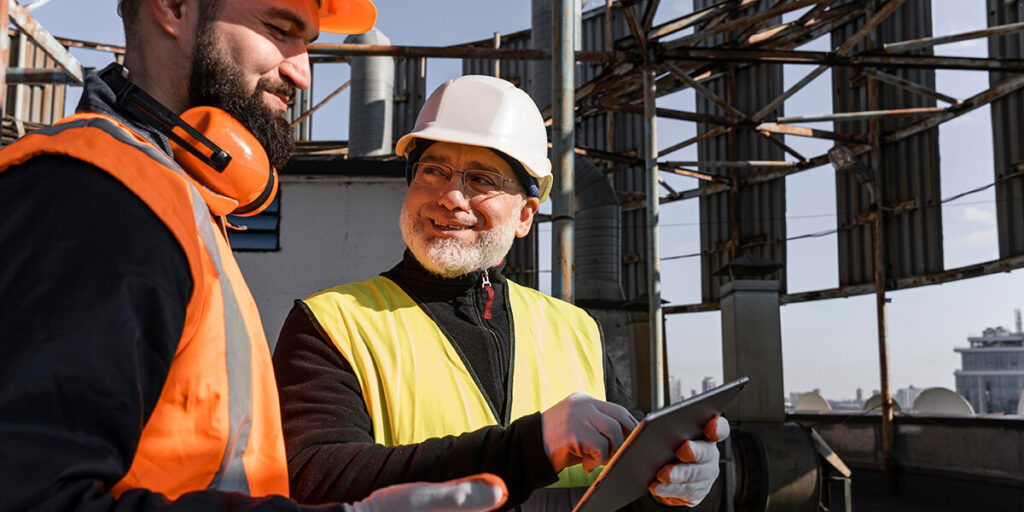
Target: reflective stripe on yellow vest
pixel 217 422
pixel 410 372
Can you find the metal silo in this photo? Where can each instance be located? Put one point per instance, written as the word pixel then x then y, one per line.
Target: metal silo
pixel 372 101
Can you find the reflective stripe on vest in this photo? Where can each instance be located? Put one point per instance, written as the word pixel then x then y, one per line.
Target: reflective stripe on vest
pixel 178 451
pixel 409 372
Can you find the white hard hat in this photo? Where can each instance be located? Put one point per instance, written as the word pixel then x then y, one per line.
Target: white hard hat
pixel 489 112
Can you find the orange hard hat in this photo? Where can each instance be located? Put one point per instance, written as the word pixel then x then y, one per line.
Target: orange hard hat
pixel 248 183
pixel 347 16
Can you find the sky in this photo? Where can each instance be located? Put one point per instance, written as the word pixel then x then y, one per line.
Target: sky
pixel 830 345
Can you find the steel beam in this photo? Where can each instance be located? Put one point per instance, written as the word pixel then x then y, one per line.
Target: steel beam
pixel 37 33
pixel 657 336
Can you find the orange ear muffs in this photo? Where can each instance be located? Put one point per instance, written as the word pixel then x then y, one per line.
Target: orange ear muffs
pixel 247 176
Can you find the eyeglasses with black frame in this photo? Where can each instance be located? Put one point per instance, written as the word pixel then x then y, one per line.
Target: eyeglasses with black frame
pixel 476 181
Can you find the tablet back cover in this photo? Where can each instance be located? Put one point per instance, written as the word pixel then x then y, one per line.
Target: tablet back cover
pixel 651 445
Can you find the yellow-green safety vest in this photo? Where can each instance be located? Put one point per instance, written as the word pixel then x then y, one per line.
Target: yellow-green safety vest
pixel 410 372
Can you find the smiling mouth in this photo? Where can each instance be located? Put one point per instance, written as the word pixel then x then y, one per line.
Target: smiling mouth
pixel 447 227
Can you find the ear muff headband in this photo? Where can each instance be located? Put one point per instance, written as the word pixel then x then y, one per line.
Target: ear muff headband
pixel 146 107
pixel 246 184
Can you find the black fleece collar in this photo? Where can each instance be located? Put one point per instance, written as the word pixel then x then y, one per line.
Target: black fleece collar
pixel 420 281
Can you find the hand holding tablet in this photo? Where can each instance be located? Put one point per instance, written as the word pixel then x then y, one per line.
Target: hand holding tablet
pixel 655 451
pixel 688 483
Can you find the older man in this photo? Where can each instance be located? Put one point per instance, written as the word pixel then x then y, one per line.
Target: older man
pixel 134 372
pixel 440 366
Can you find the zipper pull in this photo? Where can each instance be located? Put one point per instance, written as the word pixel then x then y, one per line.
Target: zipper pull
pixel 486 285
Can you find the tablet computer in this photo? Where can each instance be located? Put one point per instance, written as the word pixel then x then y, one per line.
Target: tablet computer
pixel 651 445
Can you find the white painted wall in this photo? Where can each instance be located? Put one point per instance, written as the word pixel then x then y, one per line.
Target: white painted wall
pixel 334 230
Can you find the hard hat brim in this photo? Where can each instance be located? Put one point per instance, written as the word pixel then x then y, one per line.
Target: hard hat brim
pixel 347 16
pixel 539 168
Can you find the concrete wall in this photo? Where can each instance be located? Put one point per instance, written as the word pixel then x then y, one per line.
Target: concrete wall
pixel 967 463
pixel 334 230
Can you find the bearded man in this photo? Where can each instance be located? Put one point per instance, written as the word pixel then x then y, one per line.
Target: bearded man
pixel 134 371
pixel 439 367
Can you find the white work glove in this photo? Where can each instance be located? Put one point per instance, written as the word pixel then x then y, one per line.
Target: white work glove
pixel 478 493
pixel 688 483
pixel 584 430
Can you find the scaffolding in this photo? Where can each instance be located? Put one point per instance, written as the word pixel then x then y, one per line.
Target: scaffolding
pixel 886 110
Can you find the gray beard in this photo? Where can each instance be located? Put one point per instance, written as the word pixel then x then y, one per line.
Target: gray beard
pixel 449 257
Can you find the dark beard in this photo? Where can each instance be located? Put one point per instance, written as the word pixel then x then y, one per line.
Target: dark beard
pixel 217 82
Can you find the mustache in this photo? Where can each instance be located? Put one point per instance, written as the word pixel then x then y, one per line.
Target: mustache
pixel 279 88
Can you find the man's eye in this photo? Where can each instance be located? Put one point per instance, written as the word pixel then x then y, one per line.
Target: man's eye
pixel 433 170
pixel 483 179
pixel 276 31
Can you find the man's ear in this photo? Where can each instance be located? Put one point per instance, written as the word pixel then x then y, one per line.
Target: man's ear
pixel 175 17
pixel 526 214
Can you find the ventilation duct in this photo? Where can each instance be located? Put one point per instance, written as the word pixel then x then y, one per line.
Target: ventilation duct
pixel 598 237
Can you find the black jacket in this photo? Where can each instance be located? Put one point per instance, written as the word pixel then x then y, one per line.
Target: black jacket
pixel 329 434
pixel 93 292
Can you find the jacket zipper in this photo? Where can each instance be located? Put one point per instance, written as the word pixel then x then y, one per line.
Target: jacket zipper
pixel 486 285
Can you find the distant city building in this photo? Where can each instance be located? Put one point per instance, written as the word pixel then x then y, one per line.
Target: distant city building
pixel 709 383
pixel 906 396
pixel 675 390
pixel 992 374
pixel 860 396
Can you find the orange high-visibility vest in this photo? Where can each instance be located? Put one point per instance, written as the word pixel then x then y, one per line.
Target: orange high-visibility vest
pixel 217 423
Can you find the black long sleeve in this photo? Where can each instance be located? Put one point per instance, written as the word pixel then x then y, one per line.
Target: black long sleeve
pixel 93 293
pixel 329 435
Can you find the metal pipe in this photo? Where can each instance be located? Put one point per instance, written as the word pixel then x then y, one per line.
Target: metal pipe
pixel 704 91
pixel 323 102
pixel 869 114
pixel 746 164
pixel 928 42
pixel 39 76
pixel 563 101
pixel 912 86
pixel 877 196
pixel 774 104
pixel 769 56
pixel 497 62
pixel 453 52
pixel 657 337
pixel 801 131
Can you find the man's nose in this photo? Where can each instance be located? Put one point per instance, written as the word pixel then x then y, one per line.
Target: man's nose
pixel 295 69
pixel 454 196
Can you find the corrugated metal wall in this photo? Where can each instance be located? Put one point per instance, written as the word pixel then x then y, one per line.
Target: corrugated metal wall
pixel 761 208
pixel 410 93
pixel 522 263
pixel 43 104
pixel 1008 132
pixel 909 168
pixel 627 132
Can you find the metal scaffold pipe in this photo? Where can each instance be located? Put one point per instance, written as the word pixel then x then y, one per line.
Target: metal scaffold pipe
pixel 563 136
pixel 657 335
